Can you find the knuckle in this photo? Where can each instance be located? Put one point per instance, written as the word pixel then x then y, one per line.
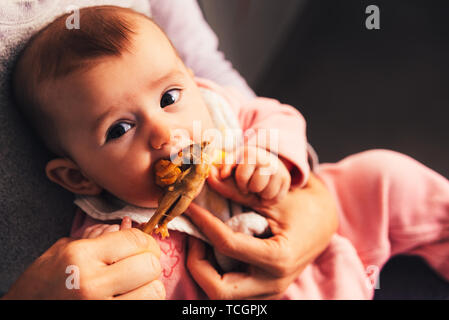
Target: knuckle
pixel 141 240
pixel 88 289
pixel 281 271
pixel 73 251
pixel 136 237
pixel 62 242
pixel 283 266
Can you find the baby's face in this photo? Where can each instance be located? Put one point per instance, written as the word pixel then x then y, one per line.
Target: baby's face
pixel 117 118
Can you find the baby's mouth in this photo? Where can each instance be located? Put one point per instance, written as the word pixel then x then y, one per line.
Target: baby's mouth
pixel 182 178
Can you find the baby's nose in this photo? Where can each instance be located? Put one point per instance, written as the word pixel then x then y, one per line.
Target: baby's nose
pixel 160 133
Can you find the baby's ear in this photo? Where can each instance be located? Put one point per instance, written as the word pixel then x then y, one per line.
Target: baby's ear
pixel 67 174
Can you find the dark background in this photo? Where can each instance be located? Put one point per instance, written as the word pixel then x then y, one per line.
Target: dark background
pixel 361 89
pixel 358 89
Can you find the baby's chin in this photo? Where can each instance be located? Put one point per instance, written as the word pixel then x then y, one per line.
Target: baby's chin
pixel 142 200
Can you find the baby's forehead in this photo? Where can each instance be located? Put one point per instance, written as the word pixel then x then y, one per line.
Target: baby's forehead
pixel 143 35
pixel 56 52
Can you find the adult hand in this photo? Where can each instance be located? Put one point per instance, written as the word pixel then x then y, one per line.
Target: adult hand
pixel 116 265
pixel 302 226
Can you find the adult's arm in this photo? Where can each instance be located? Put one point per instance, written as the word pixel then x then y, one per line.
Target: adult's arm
pixel 197 44
pixel 302 226
pixel 116 265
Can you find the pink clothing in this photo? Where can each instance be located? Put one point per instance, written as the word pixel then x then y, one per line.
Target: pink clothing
pixel 388 204
pixel 264 113
pixel 252 113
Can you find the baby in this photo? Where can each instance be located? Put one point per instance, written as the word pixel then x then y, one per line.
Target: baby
pixel 107 100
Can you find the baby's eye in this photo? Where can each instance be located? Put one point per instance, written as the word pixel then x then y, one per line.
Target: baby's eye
pixel 170 97
pixel 118 130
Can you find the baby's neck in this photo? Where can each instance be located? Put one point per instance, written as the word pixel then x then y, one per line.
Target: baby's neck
pixel 116 201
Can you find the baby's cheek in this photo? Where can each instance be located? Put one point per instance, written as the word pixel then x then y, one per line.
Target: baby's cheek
pixel 131 181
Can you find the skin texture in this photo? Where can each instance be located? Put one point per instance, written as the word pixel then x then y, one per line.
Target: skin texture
pixel 250 178
pixel 123 166
pixel 117 265
pixel 275 262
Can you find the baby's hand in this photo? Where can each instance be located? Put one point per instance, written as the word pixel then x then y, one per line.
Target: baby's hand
pixel 97 230
pixel 260 172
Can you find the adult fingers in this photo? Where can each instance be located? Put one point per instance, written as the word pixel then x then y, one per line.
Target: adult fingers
pixel 240 246
pixel 112 247
pixel 131 273
pixel 233 285
pixel 154 290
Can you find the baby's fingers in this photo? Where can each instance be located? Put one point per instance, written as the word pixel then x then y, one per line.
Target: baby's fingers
pixel 89 230
pixel 99 229
pixel 111 228
pixel 285 188
pixel 281 194
pixel 126 223
pixel 226 170
pixel 233 285
pixel 272 189
pixel 243 174
pixel 259 181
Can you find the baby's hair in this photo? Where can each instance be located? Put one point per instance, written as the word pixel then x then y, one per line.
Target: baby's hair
pixel 56 51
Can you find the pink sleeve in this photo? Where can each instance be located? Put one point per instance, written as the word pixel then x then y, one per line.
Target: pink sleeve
pixel 264 113
pixel 197 44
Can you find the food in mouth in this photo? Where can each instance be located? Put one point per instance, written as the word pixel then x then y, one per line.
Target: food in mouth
pixel 182 180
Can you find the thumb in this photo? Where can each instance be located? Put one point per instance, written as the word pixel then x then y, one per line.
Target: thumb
pixel 228 189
